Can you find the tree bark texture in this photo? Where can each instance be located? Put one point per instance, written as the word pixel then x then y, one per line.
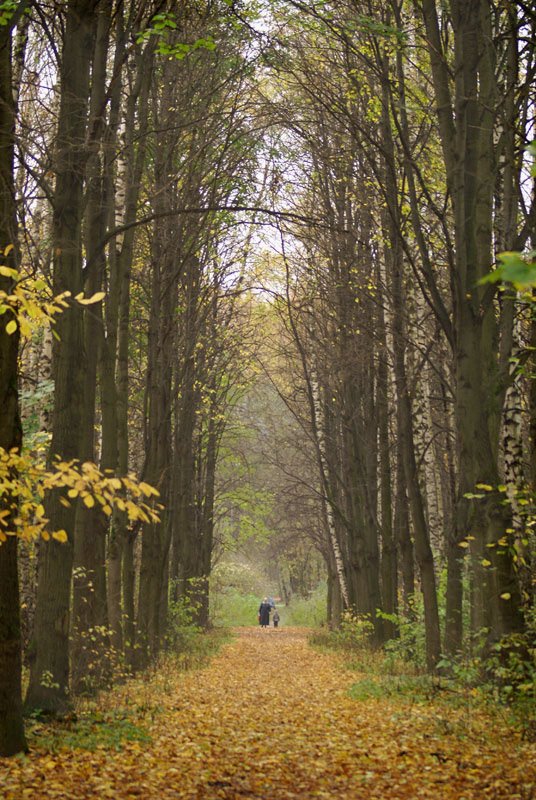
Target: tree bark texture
pixel 405 436
pixel 12 739
pixel 467 127
pixel 49 675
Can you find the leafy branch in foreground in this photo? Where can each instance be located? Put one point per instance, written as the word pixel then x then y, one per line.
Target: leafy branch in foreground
pixel 24 485
pixel 518 269
pixel 31 303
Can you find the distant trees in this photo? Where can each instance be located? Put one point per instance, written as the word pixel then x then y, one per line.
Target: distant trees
pixel 410 123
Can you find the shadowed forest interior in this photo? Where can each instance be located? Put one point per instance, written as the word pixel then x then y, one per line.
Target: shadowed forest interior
pixel 267 329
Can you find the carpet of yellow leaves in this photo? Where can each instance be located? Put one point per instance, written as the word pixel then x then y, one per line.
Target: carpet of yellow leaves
pixel 271 719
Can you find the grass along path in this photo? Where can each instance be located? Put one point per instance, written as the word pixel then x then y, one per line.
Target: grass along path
pixel 271 718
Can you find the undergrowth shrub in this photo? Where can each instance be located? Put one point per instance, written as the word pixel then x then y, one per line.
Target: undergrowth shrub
pixel 187 644
pixel 408 649
pixel 504 674
pixel 230 608
pixel 512 670
pixel 181 629
pixel 310 612
pixel 354 632
pixel 404 654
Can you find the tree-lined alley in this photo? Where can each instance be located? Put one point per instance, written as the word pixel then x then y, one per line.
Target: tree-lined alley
pixel 248 305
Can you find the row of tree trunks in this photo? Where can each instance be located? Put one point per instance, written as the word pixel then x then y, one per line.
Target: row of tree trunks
pixel 466 125
pixel 114 369
pixel 134 134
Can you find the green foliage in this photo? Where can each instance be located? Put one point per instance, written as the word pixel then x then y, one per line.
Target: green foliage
pixel 188 645
pixel 103 663
pixel 410 646
pixel 7 9
pixel 231 608
pixel 354 632
pixel 249 510
pixel 366 690
pixel 181 50
pixel 308 612
pixel 518 269
pixel 239 575
pixel 511 667
pixel 182 632
pixel 160 26
pixel 90 730
pixel 506 676
pixel 34 401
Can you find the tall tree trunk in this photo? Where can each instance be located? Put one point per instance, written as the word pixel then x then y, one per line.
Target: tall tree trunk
pixel 114 367
pixel 158 456
pixel 207 524
pixel 319 431
pixel 90 640
pixel 12 738
pixel 148 617
pixel 389 581
pixel 187 542
pixel 423 550
pixel 403 535
pixel 49 675
pixel 455 553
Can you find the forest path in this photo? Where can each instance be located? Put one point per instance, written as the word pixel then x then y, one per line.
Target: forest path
pixel 270 718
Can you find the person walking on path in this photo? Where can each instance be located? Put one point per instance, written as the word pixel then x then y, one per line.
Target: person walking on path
pixel 264 613
pixel 276 618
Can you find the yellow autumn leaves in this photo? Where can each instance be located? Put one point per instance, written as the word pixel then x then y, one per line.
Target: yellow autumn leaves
pixel 25 484
pixel 301 735
pixel 31 303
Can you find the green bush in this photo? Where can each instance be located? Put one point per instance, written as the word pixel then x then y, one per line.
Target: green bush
pixel 188 645
pixel 410 646
pixel 308 612
pixel 230 608
pixel 511 667
pixel 403 655
pixel 354 632
pixel 181 630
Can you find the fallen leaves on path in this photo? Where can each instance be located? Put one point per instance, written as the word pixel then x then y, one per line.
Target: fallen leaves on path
pixel 272 719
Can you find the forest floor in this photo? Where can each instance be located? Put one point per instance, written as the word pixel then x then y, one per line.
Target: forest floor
pixel 270 718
